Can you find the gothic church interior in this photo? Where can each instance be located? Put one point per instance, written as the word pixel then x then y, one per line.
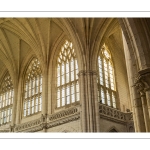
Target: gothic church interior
pixel 74 75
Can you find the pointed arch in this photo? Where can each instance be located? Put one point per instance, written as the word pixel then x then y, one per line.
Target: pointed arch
pixel 112 129
pixel 6 99
pixel 32 88
pixel 67 79
pixel 106 79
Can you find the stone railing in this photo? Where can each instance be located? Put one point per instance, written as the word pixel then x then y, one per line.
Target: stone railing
pixel 110 113
pixel 5 128
pixel 49 121
pixel 63 114
pixel 28 126
pixel 63 117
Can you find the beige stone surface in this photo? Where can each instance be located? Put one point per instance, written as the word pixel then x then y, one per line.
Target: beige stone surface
pixel 22 39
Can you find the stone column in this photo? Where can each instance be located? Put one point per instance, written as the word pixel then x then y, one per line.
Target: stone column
pixel 96 101
pixel 14 110
pixel 144 106
pixel 145 112
pixel 144 77
pixel 147 91
pixel 19 103
pixel 89 101
pixel 139 117
pixel 44 98
pixel 83 101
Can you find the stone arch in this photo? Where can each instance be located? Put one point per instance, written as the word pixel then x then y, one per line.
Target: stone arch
pixel 72 34
pixel 24 66
pixel 112 129
pixel 10 65
pixel 100 37
pixel 112 25
pixel 135 31
pixel 18 27
pixel 135 62
pixel 4 73
pixel 52 66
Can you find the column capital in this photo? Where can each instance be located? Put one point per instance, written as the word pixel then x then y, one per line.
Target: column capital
pixel 139 86
pixel 87 72
pixel 143 79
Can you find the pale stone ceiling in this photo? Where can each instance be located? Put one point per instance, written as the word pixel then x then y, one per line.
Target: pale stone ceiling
pixel 19 37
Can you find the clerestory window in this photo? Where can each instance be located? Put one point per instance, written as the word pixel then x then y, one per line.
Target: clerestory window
pixel 32 102
pixel 67 78
pixel 6 99
pixel 106 78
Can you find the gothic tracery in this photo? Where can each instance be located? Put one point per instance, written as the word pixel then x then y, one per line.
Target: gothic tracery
pixel 106 79
pixel 6 99
pixel 33 89
pixel 67 79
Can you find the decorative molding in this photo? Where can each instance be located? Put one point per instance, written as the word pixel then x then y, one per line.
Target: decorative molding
pixel 113 114
pixel 5 128
pixel 49 121
pixel 27 125
pixel 35 129
pixel 64 116
pixel 64 120
pixel 143 79
pixel 87 72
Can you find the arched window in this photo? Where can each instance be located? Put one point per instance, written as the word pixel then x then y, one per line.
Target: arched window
pixel 106 79
pixel 6 99
pixel 67 79
pixel 33 89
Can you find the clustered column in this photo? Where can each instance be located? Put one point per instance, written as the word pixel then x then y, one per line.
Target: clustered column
pixel 143 84
pixel 89 101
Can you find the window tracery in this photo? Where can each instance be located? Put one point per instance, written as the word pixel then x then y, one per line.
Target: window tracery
pixel 6 99
pixel 106 79
pixel 33 89
pixel 67 79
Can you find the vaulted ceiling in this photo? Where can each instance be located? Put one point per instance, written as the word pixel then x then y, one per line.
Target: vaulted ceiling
pixel 20 37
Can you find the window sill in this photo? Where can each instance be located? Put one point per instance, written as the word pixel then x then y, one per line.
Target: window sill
pixel 66 106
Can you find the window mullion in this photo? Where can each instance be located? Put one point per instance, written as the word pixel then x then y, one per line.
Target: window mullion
pixel 61 84
pixel 104 88
pixel 36 101
pixel 103 72
pixel 68 87
pixel 0 117
pixel 109 82
pixel 60 96
pixel 33 88
pixel 70 78
pixel 75 81
pixel 110 93
pixel 98 73
pixel 65 85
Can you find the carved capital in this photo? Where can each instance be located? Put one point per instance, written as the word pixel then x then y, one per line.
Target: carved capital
pixel 140 87
pixel 143 79
pixel 87 72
